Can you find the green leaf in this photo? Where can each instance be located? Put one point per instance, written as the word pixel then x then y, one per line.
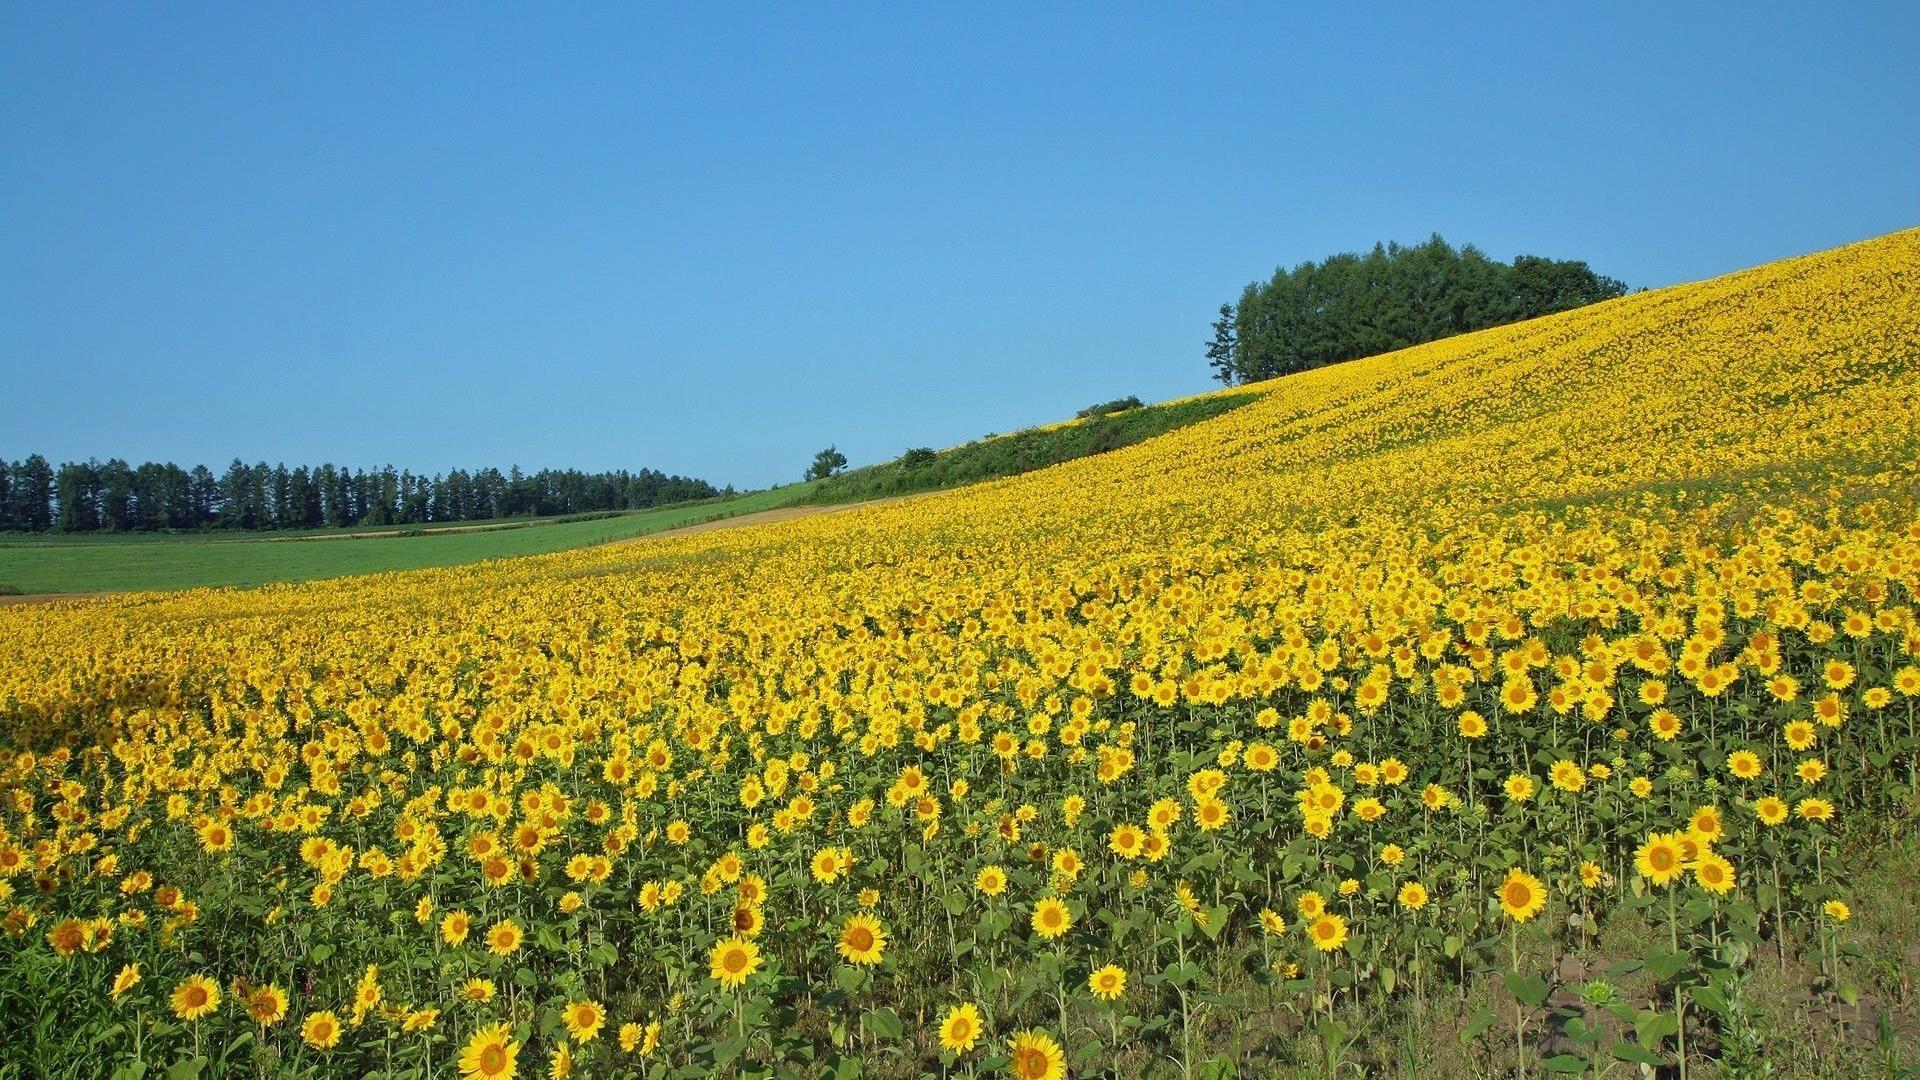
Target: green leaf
pixel 1626 1051
pixel 1481 1021
pixel 1711 999
pixel 1654 1026
pixel 319 953
pixel 727 1051
pixel 954 902
pixel 1565 1063
pixel 1086 1052
pixel 1529 989
pixel 1665 963
pixel 884 1023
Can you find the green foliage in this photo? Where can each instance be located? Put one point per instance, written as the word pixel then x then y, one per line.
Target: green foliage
pixel 1019 452
pixel 1131 401
pixel 83 497
pixel 1349 306
pixel 825 464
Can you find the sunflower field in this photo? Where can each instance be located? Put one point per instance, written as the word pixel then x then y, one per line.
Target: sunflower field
pixel 1538 686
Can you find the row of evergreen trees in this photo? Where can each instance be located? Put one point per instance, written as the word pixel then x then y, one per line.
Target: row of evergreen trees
pixel 114 496
pixel 1349 306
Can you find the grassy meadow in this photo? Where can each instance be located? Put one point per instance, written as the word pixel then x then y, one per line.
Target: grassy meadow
pixel 1539 701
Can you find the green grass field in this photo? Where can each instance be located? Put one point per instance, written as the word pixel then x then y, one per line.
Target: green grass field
pixel 70 564
pixel 42 563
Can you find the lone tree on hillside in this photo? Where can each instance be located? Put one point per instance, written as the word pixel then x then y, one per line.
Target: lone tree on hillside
pixel 1220 349
pixel 826 463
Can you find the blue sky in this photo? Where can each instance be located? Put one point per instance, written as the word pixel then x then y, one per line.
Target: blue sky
pixel 713 240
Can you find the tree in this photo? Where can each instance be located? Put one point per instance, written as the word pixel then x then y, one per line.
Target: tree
pixel 32 494
pixel 1349 305
pixel 1220 351
pixel 825 464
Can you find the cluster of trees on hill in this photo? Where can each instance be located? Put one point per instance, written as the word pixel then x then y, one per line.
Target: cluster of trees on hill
pixel 114 496
pixel 1349 305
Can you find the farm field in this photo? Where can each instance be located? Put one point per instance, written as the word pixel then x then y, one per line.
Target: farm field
pixel 55 563
pixel 1537 700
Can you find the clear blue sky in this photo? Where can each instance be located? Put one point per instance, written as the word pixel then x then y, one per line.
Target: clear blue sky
pixel 714 241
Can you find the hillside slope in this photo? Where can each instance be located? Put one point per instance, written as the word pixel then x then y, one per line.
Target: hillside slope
pixel 1545 619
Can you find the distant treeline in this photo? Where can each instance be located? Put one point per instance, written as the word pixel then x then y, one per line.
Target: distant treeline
pixel 1349 306
pixel 114 496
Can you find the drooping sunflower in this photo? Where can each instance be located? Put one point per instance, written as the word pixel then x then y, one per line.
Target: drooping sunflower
pixel 1659 860
pixel 1107 983
pixel 489 1054
pixel 1327 932
pixel 1051 918
pixel 960 1028
pixel 1035 1056
pixel 195 997
pixel 733 960
pixel 1522 895
pixel 127 979
pixel 584 1018
pixel 863 940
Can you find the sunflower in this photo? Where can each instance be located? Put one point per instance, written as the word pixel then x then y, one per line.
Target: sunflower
pixel 1522 895
pixel 1706 822
pixel 1472 725
pixel 267 1005
pixel 733 960
pixel 1035 1056
pixel 1814 810
pixel 1051 918
pixel 863 940
pixel 1837 910
pixel 1712 872
pixel 1327 932
pixel 991 881
pixel 1107 983
pixel 127 979
pixel 1568 776
pixel 1744 764
pixel 960 1028
pixel 1413 896
pixel 1801 735
pixel 489 1054
pixel 195 997
pixel 503 937
pixel 1519 787
pixel 454 927
pixel 584 1019
pixel 747 920
pixel 1660 859
pixel 1770 809
pixel 320 1030
pixel 1125 841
